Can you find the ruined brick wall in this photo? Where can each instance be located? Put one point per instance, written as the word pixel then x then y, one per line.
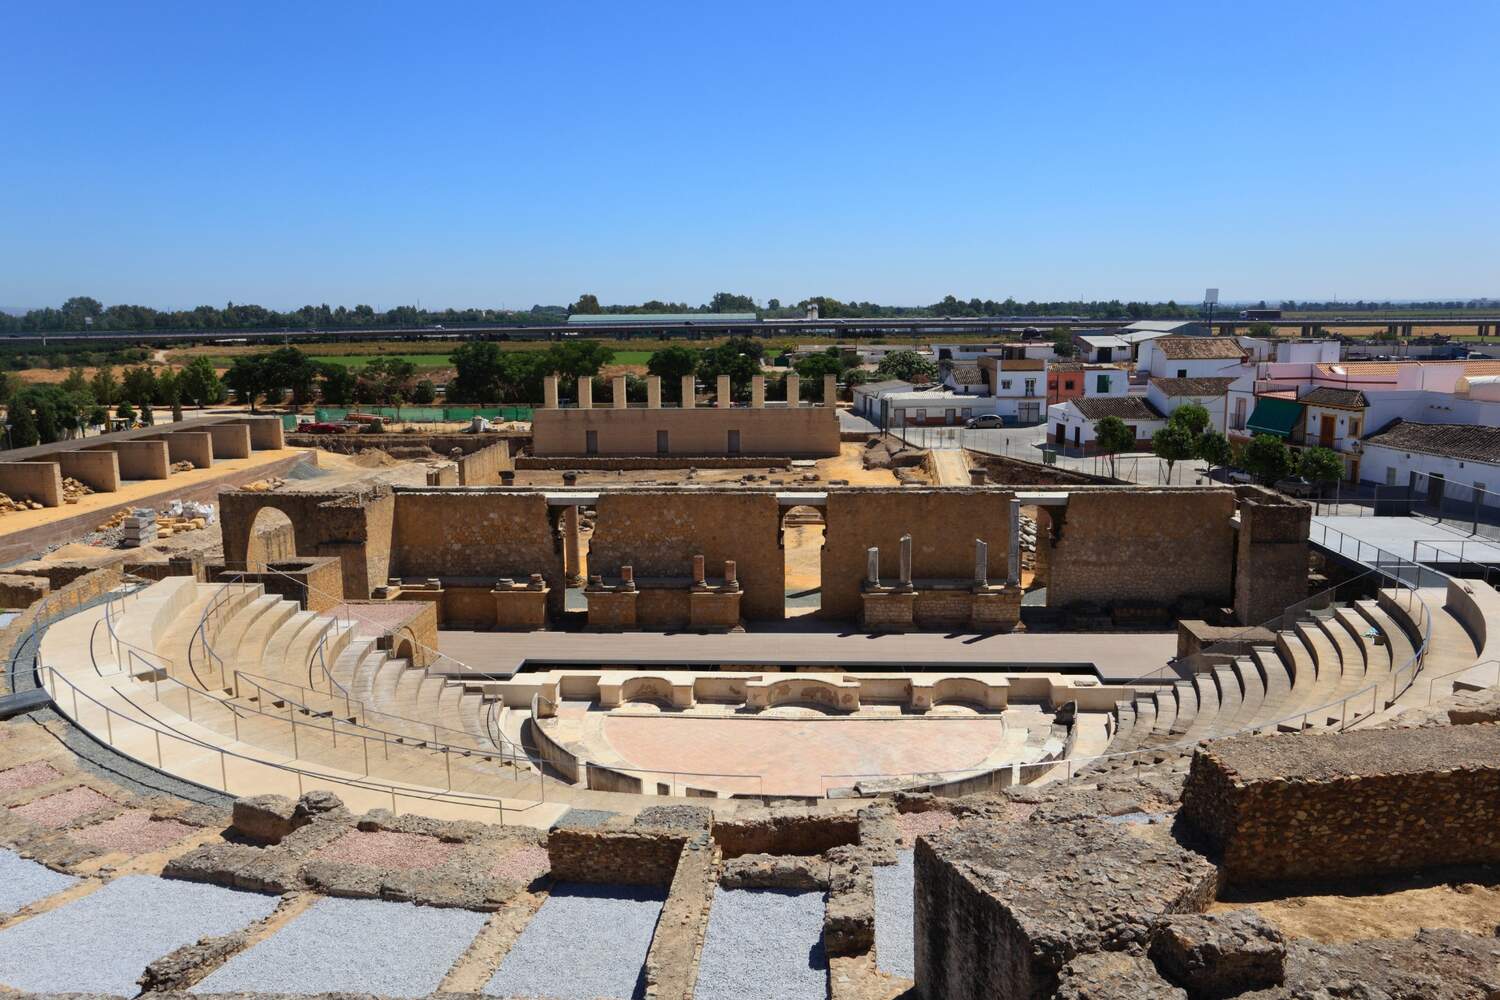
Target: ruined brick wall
pixel 1348 805
pixel 316 583
pixel 1004 471
pixel 1271 554
pixel 483 467
pixel 272 539
pixel 594 463
pixel 615 856
pixel 659 533
pixel 21 591
pixel 479 534
pixel 804 431
pixel 943 525
pixel 443 475
pixel 355 527
pixel 1139 544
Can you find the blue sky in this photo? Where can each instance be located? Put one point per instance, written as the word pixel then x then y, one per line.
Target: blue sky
pixel 509 154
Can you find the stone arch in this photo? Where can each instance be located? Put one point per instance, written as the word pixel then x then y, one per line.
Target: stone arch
pixel 647 688
pixel 960 691
pixel 808 691
pixel 272 538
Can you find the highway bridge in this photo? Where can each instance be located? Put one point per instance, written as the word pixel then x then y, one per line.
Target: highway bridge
pixel 703 325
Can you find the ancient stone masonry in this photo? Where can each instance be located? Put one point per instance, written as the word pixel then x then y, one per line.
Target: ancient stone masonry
pixel 1271 551
pixel 1311 807
pixel 355 527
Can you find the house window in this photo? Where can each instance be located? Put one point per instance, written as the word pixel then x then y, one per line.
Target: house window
pixel 1068 383
pixel 1239 413
pixel 1031 387
pixel 1005 383
pixel 662 448
pixel 1182 373
pixel 1102 384
pixel 1390 476
pixel 1354 427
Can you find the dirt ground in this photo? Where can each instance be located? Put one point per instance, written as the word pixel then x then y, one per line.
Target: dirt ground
pixel 1417 902
pixel 847 465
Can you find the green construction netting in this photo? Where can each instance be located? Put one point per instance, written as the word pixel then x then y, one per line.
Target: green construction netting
pixel 427 414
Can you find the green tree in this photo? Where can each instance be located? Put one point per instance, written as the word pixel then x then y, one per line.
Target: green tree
pixel 1062 342
pixel 587 305
pixel 908 366
pixel 813 367
pixel 479 368
pixel 669 364
pixel 1266 458
pixel 1213 449
pixel 1320 465
pixel 727 302
pixel 138 385
pixel 21 427
pixel 1173 444
pixel 246 378
pixel 289 368
pixel 738 357
pixel 424 393
pixel 76 381
pixel 1190 418
pixel 126 412
pixel 1114 437
pixel 199 382
pixel 105 386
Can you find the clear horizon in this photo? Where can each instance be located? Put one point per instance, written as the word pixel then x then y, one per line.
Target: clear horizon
pixel 177 155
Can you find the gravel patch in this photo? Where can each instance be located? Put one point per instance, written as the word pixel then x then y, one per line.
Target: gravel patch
pixel 54 811
pixel 388 849
pixel 38 772
pixel 133 831
pixel 584 817
pixel 586 941
pixel 104 941
pixel 764 944
pixel 923 824
pixel 522 865
pixel 353 945
pixel 895 887
pixel 23 882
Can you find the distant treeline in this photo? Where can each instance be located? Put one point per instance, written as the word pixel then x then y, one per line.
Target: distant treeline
pixel 84 313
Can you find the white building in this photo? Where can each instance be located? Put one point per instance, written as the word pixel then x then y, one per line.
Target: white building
pixel 869 398
pixel 1455 461
pixel 1167 394
pixel 1070 424
pixel 1100 347
pixel 1193 357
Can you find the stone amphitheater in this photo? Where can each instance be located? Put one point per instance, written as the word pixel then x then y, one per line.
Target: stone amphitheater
pixel 384 750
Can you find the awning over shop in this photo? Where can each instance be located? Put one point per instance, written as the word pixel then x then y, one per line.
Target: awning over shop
pixel 1275 416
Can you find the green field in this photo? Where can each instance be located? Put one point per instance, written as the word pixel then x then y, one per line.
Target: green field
pixel 422 362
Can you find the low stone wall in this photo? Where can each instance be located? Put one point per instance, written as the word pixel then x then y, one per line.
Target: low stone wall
pixel 61 602
pixel 17 590
pixel 40 482
pixel 316 582
pixel 1005 471
pixel 630 856
pixel 1352 804
pixel 607 779
pixel 442 444
pixel 643 462
pixel 483 467
pixel 772 831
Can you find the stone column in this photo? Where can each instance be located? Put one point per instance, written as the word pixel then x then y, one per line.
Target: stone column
pixel 906 583
pixel 689 392
pixel 572 544
pixel 731 575
pixel 758 391
pixel 830 390
pixel 627 577
pixel 722 394
pixel 700 578
pixel 653 392
pixel 549 392
pixel 981 563
pixel 1013 569
pixel 793 390
pixel 872 566
pixel 617 387
pixel 585 393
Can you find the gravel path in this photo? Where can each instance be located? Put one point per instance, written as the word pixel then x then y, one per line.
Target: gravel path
pixel 353 945
pixel 586 941
pixel 104 941
pixel 895 887
pixel 23 882
pixel 763 944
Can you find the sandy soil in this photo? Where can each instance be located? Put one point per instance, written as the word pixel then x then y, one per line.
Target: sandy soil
pixel 1461 905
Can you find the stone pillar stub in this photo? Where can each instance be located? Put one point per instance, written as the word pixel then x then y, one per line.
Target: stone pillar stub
pixel 585 392
pixel 981 563
pixel 793 390
pixel 1013 567
pixel 549 392
pixel 872 566
pixel 627 577
pixel 700 578
pixel 906 583
pixel 723 393
pixel 572 543
pixel 653 392
pixel 731 574
pixel 758 391
pixel 689 391
pixel 617 386
pixel 830 390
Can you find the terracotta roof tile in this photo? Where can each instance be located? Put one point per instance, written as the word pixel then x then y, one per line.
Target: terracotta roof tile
pixel 1215 386
pixel 1199 348
pixel 1465 442
pixel 1124 407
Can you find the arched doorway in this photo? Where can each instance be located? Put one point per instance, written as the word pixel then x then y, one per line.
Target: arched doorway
pixel 272 539
pixel 802 534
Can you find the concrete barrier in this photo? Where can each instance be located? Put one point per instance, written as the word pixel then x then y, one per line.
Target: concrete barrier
pixel 191 446
pixel 99 470
pixel 39 481
pixel 230 440
pixel 140 459
pixel 266 433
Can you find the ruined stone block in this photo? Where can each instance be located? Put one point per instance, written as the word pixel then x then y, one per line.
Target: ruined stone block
pixel 264 818
pixel 1220 955
pixel 1379 800
pixel 1002 908
pixel 775 871
pixel 1113 976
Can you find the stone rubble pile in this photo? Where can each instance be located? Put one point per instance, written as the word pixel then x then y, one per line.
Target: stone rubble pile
pixel 7 504
pixel 183 466
pixel 1028 534
pixel 73 489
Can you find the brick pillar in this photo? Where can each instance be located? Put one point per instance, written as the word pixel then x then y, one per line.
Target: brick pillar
pixel 793 391
pixel 1270 571
pixel 549 392
pixel 617 384
pixel 758 391
pixel 830 390
pixel 653 392
pixel 585 393
pixel 723 393
pixel 689 391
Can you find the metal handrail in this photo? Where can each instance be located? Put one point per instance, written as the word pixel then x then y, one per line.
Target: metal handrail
pixel 1435 678
pixel 162 729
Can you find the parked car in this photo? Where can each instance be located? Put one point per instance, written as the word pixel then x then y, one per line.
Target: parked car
pixel 1296 486
pixel 985 420
pixel 1240 478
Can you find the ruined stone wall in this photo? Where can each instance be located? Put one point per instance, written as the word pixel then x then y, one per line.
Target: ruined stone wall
pixel 659 533
pixel 483 467
pixel 1270 556
pixel 1348 805
pixel 943 525
pixel 1005 471
pixel 803 431
pixel 441 444
pixel 593 463
pixel 615 856
pixel 1129 544
pixel 479 535
pixel 355 527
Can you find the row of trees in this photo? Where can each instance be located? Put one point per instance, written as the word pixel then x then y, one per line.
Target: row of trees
pixel 41 414
pixel 269 377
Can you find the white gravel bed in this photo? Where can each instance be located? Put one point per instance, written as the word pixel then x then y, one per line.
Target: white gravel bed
pixel 23 882
pixel 585 941
pixel 352 945
pixel 102 942
pixel 763 944
pixel 895 889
